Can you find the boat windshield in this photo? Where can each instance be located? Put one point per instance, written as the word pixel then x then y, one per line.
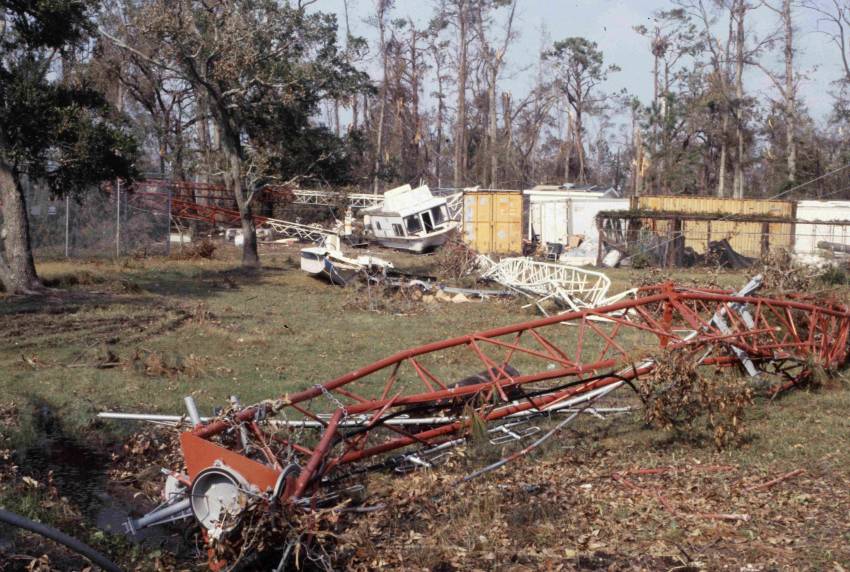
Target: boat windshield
pixel 413 224
pixel 426 220
pixel 438 215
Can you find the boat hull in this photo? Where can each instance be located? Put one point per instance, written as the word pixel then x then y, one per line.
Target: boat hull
pixel 417 244
pixel 320 263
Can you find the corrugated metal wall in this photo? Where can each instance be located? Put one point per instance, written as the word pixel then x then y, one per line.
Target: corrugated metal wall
pixel 492 221
pixel 712 205
pixel 747 238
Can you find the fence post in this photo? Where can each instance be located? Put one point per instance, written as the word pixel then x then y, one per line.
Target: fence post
pixel 117 218
pixel 168 227
pixel 67 226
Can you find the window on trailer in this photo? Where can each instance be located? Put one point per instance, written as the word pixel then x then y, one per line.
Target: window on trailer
pixel 397 230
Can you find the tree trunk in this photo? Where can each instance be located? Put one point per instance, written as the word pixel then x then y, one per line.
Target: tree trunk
pixel 17 268
pixel 580 145
pixel 379 139
pixel 493 128
pixel 738 179
pixel 232 150
pixel 721 168
pixel 438 159
pixel 790 94
pixel 509 168
pixel 250 255
pixel 637 144
pixel 416 145
pixel 460 127
pixel 568 146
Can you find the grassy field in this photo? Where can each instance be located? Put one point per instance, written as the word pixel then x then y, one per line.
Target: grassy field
pixel 216 331
pixel 138 335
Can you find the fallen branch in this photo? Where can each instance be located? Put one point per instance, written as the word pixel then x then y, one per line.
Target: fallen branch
pixel 672 469
pixel 776 481
pixel 662 500
pixel 723 516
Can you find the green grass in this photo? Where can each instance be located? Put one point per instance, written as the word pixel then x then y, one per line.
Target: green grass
pixel 257 335
pixel 216 330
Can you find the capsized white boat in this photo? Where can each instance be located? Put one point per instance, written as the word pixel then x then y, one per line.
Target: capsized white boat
pixel 329 261
pixel 410 219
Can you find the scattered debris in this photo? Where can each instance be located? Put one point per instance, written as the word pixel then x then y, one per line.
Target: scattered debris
pixel 456 260
pixel 783 273
pixel 204 248
pixel 329 262
pixel 571 287
pixel 241 470
pixel 680 397
pixel 157 364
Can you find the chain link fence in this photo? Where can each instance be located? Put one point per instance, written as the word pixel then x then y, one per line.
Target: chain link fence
pixel 99 224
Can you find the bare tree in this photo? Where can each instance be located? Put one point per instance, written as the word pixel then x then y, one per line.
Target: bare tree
pixel 580 69
pixel 458 15
pixel 382 10
pixel 786 84
pixel 437 49
pixel 836 13
pixel 492 58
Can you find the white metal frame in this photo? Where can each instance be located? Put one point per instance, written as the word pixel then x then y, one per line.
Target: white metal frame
pixel 578 288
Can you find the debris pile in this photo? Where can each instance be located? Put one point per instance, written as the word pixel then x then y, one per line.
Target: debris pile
pixel 679 397
pixel 570 287
pixel 407 410
pixel 329 262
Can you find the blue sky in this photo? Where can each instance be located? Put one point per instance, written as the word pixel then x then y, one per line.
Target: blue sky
pixel 610 23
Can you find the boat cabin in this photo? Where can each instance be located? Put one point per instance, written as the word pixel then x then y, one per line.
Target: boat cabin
pixel 410 219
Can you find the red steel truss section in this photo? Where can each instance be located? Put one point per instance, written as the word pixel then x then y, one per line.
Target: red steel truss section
pixel 192 191
pixel 528 368
pixel 218 215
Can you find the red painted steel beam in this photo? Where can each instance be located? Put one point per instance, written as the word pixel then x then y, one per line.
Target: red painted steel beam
pixel 788 332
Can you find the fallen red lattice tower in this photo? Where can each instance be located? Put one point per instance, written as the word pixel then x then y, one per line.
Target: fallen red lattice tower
pixel 405 410
pixel 188 202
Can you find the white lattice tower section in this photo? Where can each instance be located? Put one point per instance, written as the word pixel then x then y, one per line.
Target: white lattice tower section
pixel 576 287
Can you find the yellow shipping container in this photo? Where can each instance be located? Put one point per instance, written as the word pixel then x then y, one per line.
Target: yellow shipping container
pixel 714 205
pixel 492 221
pixel 747 238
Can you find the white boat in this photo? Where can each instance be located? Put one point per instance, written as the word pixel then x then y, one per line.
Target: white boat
pixel 329 262
pixel 410 219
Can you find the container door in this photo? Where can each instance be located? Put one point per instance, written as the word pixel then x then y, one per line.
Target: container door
pixel 556 222
pixel 507 223
pixel 469 205
pixel 535 217
pixel 477 220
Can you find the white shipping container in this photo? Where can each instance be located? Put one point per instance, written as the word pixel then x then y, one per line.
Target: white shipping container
pixel 555 215
pixel 807 236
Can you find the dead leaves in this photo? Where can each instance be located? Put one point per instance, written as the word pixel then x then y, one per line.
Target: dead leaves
pixel 152 363
pixel 567 513
pixel 680 398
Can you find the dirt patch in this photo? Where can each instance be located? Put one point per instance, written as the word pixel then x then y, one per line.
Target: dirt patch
pixel 107 320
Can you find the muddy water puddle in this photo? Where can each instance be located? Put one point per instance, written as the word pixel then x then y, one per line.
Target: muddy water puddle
pixel 80 474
